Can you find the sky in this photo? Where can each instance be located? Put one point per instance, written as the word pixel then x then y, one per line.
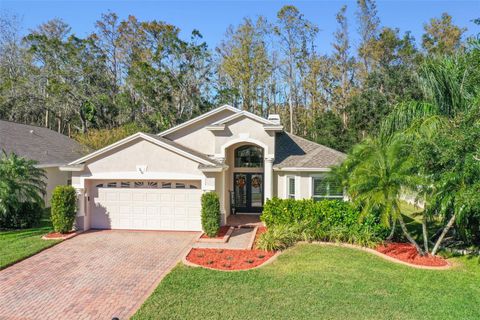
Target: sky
pixel 212 18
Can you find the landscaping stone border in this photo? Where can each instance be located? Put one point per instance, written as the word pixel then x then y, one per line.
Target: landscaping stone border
pixel 379 254
pixel 216 240
pixel 63 237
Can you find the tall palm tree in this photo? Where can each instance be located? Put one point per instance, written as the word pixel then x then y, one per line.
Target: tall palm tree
pixel 20 182
pixel 378 171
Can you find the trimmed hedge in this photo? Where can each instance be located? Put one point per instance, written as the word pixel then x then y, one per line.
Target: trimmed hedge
pixel 210 214
pixel 64 208
pixel 327 220
pixel 26 215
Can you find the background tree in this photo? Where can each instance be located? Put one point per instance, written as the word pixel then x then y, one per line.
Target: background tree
pixel 442 36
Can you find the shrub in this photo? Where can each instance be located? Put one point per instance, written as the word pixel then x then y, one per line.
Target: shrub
pixel 64 200
pixel 210 214
pixel 278 237
pixel 327 220
pixel 26 215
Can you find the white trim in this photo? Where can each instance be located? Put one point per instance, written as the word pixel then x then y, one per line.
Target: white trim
pixel 241 114
pixel 247 140
pixel 287 186
pixel 145 137
pixel 75 168
pixel 134 175
pixel 274 127
pixel 214 169
pixel 302 169
pixel 200 117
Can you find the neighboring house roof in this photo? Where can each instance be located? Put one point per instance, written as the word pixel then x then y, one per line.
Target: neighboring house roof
pixel 163 142
pixel 292 151
pixel 47 147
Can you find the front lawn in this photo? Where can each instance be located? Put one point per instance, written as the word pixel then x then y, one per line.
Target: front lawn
pixel 316 282
pixel 17 245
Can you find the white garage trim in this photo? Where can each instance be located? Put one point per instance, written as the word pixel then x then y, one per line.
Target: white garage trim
pixel 145 208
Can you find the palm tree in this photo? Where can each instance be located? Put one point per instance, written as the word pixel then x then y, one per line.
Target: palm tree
pixel 378 170
pixel 20 182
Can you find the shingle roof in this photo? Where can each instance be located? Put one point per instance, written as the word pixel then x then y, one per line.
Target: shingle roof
pixel 294 151
pixel 47 147
pixel 183 148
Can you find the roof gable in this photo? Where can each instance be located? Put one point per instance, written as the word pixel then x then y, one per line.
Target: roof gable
pixel 199 118
pixel 162 142
pixel 243 114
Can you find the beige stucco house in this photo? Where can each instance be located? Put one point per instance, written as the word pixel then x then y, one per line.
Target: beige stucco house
pixel 155 182
pixel 51 150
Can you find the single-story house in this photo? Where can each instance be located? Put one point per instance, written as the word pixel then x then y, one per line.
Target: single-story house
pixel 50 149
pixel 155 182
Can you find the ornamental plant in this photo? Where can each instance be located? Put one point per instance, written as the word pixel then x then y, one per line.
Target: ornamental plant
pixel 64 201
pixel 210 214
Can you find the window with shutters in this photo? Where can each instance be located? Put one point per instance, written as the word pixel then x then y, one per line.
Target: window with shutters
pixel 325 189
pixel 291 187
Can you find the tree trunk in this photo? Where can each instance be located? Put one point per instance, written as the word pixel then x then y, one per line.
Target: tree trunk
pixel 424 230
pixel 408 236
pixel 442 235
pixel 394 225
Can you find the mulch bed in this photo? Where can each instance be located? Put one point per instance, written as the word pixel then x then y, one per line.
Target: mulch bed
pixel 224 259
pixel 406 252
pixel 58 235
pixel 229 259
pixel 221 233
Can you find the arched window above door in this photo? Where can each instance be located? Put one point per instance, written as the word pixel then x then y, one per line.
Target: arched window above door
pixel 249 157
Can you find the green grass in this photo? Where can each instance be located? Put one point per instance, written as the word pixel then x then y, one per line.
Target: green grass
pixel 16 245
pixel 318 282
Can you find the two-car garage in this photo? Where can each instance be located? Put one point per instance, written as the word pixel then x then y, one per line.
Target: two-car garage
pixel 145 205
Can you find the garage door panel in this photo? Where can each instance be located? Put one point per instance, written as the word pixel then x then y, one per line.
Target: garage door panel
pixel 146 209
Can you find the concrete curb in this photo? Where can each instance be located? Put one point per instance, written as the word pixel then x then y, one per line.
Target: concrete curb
pixel 215 240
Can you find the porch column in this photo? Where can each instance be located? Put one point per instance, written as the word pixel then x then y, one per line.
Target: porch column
pixel 80 219
pixel 268 192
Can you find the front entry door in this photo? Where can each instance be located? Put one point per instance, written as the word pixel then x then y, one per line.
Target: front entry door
pixel 248 192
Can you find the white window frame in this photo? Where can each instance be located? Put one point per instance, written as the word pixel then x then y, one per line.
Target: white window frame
pixel 288 194
pixel 312 194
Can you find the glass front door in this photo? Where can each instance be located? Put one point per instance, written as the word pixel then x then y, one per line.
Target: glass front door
pixel 248 192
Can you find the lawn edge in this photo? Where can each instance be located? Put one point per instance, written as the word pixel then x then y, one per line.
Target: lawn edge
pixel 381 255
pixel 52 244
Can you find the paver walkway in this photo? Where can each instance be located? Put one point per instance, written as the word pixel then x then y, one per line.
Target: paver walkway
pixel 96 275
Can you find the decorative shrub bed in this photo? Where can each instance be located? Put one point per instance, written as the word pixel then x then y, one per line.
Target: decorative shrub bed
pixel 220 234
pixel 406 252
pixel 290 220
pixel 224 259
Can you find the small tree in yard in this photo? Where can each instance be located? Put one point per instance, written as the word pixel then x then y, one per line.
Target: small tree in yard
pixel 210 213
pixel 64 200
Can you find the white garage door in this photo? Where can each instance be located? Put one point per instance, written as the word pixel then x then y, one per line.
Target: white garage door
pixel 143 208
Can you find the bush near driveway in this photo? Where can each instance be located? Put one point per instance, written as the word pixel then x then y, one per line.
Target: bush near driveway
pixel 64 208
pixel 327 220
pixel 210 214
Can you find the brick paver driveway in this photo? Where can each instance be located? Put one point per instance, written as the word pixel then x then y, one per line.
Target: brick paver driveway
pixel 96 275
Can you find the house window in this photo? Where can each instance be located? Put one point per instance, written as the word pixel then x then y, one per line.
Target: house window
pixel 153 184
pixel 139 184
pixel 124 184
pixel 325 189
pixel 193 187
pixel 179 185
pixel 291 187
pixel 249 157
pixel 166 185
pixel 111 185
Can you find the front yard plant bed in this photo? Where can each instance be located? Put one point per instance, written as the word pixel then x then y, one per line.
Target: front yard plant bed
pixel 223 235
pixel 228 259
pixel 406 252
pixel 60 236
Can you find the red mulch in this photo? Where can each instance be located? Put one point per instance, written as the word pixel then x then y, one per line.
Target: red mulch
pixel 223 259
pixel 221 233
pixel 58 235
pixel 406 252
pixel 228 259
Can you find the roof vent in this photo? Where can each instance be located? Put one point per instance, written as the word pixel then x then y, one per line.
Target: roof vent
pixel 275 118
pixel 31 131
